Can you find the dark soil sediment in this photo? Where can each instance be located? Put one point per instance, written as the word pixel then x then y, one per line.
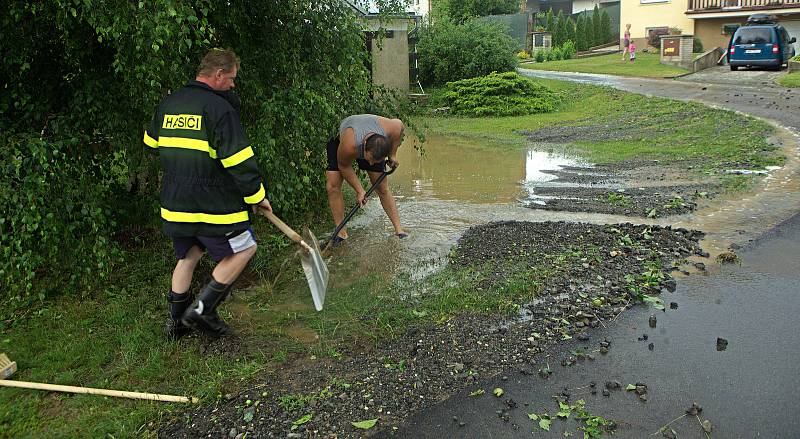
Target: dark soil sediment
pixel 584 286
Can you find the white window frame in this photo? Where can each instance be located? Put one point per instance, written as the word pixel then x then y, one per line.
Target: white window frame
pixel 647 2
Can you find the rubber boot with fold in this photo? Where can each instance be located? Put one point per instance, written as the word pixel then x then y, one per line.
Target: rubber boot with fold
pixel 178 303
pixel 202 315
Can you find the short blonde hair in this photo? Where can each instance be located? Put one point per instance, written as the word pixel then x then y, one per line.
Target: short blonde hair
pixel 216 59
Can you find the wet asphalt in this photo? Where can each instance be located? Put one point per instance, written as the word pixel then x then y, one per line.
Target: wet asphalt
pixel 748 390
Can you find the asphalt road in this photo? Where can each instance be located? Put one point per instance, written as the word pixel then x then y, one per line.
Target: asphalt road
pixel 747 390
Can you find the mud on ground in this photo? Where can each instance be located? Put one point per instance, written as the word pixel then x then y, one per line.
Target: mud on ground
pixel 634 188
pixel 585 287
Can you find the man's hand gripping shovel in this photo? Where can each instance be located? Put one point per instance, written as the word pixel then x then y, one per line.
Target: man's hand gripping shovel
pixel 326 245
pixel 310 257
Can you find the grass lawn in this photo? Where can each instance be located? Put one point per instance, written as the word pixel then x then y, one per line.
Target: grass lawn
pixel 646 65
pixel 660 128
pixel 790 80
pixel 110 336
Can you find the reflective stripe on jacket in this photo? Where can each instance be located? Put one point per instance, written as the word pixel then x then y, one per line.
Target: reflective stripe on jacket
pixel 210 174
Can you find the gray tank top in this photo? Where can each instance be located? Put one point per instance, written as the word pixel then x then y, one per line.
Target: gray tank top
pixel 362 124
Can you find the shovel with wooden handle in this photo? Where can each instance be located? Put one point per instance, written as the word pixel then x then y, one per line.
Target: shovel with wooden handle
pixel 310 257
pixel 327 243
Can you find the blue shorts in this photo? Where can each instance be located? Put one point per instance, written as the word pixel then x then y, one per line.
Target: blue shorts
pixel 218 247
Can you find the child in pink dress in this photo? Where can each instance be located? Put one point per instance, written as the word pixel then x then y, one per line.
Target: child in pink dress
pixel 632 50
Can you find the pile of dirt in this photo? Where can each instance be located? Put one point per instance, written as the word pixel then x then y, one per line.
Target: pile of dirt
pixel 429 363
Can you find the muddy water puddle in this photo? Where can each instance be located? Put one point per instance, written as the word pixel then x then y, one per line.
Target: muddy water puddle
pixel 457 184
pixel 460 183
pixel 466 170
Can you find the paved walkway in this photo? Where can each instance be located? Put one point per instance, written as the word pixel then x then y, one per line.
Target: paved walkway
pixel 724 75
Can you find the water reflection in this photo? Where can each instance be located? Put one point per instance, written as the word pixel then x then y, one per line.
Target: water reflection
pixel 474 171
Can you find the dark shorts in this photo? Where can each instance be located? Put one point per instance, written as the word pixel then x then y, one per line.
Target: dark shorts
pixel 219 247
pixel 333 164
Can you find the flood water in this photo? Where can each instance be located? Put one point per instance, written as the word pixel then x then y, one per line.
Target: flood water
pixel 458 183
pixel 463 182
pixel 456 168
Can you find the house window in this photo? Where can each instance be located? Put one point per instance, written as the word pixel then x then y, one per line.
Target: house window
pixel 664 30
pixel 729 29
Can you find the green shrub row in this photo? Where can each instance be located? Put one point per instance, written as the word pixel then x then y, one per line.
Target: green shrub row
pixel 567 51
pixel 586 31
pixel 498 94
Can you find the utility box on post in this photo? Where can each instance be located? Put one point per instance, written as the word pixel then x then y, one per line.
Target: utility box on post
pixel 677 50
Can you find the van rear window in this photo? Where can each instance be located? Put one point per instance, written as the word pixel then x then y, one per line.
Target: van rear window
pixel 753 36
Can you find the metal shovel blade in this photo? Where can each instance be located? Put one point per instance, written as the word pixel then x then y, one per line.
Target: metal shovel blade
pixel 315 269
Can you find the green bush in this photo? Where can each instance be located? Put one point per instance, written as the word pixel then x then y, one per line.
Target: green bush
pixel 697 46
pixel 568 50
pixel 74 180
pixel 499 94
pixel 449 52
pixel 462 10
pixel 654 39
pixel 541 55
pixel 581 43
pixel 555 54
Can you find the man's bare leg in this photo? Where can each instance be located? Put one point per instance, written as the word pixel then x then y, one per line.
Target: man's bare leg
pixel 184 269
pixel 387 201
pixel 230 267
pixel 335 198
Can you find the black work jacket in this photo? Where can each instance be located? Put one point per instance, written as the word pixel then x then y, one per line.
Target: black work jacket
pixel 210 174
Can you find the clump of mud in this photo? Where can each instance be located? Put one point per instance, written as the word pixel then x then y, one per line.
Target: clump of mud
pixel 587 274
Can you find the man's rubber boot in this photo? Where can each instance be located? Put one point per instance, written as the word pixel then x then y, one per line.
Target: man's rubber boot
pixel 202 315
pixel 178 303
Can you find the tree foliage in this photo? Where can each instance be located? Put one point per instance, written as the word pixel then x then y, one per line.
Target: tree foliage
pixel 597 27
pixel 581 42
pixel 463 10
pixel 605 25
pixel 81 78
pixel 449 51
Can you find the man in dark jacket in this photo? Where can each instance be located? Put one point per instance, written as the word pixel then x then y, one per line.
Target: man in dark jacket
pixel 210 182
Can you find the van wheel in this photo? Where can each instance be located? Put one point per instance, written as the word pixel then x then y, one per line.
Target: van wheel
pixel 734 68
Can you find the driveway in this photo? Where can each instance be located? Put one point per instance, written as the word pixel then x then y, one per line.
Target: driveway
pixel 724 75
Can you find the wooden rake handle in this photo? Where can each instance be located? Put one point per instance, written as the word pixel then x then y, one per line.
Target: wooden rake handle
pixel 288 231
pixel 93 391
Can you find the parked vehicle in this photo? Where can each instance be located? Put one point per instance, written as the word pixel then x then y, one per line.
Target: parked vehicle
pixel 760 42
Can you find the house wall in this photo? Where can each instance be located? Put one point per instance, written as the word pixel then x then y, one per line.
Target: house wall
pixel 641 16
pixel 390 55
pixel 709 30
pixel 419 7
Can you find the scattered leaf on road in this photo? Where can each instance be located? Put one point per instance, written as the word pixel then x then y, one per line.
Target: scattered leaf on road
pixel 478 392
pixel 302 420
pixel 365 425
pixel 544 424
pixel 498 392
pixel 630 387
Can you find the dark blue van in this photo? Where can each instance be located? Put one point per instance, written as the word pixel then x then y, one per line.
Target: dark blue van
pixel 760 42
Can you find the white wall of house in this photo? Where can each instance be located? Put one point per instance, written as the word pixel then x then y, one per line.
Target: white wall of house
pixel 419 7
pixel 644 15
